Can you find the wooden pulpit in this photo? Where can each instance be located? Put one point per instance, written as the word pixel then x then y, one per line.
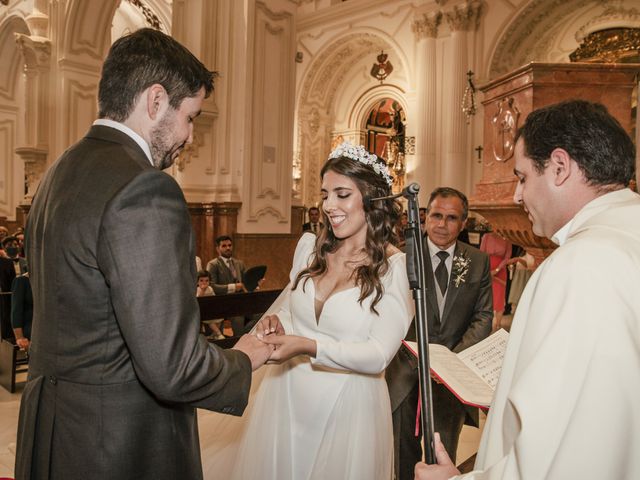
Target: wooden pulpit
pixel 507 102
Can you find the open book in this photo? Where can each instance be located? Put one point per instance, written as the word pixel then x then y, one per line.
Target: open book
pixel 471 375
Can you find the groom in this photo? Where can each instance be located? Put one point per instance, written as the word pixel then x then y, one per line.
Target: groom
pixel 117 365
pixel 459 312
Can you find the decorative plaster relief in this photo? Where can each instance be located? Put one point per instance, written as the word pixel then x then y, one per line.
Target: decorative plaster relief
pixel 529 28
pixel 464 17
pixel 201 130
pixel 35 161
pixel 38 23
pixel 427 25
pixel 504 125
pixel 36 52
pixel 614 15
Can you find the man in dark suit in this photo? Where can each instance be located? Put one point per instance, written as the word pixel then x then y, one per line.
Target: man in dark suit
pixel 459 312
pixel 314 224
pixel 11 247
pixel 226 276
pixel 117 363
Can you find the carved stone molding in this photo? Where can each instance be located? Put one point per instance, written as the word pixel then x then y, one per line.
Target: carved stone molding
pixel 38 23
pixel 614 15
pixel 515 47
pixel 36 52
pixel 464 17
pixel 203 126
pixel 427 25
pixel 613 45
pixel 35 161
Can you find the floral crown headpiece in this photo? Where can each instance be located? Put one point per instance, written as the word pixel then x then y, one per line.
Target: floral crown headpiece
pixel 358 152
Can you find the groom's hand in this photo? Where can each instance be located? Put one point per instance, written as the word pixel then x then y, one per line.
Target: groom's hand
pixel 257 351
pixel 268 325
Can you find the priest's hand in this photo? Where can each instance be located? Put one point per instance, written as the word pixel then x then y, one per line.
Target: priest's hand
pixel 443 470
pixel 269 324
pixel 289 346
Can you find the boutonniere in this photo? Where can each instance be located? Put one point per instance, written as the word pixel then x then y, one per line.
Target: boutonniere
pixel 460 269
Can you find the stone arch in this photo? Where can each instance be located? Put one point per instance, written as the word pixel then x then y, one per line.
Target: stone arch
pixel 85 35
pixel 10 56
pixel 548 30
pixel 339 65
pixel 361 106
pixel 11 114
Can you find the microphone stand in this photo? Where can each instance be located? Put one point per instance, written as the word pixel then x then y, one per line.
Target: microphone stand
pixel 415 272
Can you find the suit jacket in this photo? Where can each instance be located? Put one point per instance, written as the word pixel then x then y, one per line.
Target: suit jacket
pixel 221 275
pixel 306 227
pixel 22 305
pixel 7 274
pixel 117 364
pixel 467 315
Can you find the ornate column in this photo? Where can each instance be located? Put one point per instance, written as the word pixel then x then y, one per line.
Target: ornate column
pixel 35 140
pixel 426 31
pixel 454 173
pixel 210 220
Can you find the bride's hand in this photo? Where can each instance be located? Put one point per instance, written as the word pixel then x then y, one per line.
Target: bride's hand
pixel 289 346
pixel 268 325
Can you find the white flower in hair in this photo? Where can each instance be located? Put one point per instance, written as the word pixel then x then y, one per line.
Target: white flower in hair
pixel 358 152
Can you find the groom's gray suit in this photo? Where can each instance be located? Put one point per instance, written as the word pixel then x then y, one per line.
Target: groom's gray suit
pixel 117 364
pixel 466 319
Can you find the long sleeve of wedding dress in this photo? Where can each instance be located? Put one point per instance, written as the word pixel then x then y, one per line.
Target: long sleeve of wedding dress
pixel 328 417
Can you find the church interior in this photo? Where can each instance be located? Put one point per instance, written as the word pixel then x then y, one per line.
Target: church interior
pixel 436 87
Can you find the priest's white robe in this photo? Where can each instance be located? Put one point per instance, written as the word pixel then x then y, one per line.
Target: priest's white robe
pixel 567 405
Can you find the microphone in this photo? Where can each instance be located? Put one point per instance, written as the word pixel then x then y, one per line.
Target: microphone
pixel 409 191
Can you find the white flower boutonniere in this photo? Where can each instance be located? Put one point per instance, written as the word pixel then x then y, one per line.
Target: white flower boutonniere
pixel 460 269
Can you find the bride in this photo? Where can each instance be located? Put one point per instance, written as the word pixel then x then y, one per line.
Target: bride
pixel 324 411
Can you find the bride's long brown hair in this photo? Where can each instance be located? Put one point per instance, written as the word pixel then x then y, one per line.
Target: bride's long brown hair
pixel 381 216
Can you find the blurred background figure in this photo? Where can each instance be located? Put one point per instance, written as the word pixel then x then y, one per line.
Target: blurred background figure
pixel 11 247
pixel 203 289
pixel 522 268
pixel 314 224
pixel 499 251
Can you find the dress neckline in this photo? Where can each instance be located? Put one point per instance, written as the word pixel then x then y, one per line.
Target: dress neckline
pixel 318 312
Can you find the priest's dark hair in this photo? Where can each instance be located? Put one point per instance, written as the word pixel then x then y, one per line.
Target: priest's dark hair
pixel 381 217
pixel 590 135
pixel 144 58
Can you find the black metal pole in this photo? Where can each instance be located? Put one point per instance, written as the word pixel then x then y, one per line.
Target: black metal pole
pixel 415 271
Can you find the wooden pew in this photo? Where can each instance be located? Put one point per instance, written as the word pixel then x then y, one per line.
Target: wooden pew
pixel 234 305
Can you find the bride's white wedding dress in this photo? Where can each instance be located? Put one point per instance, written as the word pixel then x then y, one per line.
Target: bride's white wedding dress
pixel 327 417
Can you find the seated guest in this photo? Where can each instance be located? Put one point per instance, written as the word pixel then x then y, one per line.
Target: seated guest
pixel 19 234
pixel 22 310
pixel 12 249
pixel 314 224
pixel 226 276
pixel 203 289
